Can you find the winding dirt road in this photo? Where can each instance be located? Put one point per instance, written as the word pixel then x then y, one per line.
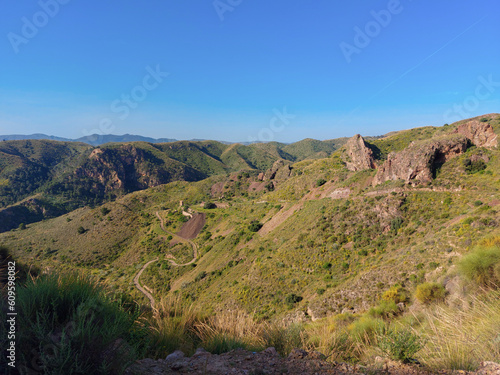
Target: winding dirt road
pixel 138 285
pixel 181 239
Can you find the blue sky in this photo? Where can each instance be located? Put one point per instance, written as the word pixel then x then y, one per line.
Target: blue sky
pixel 241 70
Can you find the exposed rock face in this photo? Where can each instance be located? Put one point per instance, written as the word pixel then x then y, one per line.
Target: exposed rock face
pixel 279 171
pixel 358 156
pixel 480 133
pixel 419 161
pixel 129 168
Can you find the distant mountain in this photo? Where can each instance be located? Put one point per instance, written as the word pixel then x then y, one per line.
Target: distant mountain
pixel 94 139
pixel 20 137
pixel 99 139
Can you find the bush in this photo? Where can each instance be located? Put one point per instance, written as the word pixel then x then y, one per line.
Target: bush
pixel 292 299
pixel 22 226
pixel 320 182
pixel 482 265
pixel 385 309
pixel 254 226
pixel 210 205
pixel 395 294
pixel 474 166
pixel 67 324
pixel 81 230
pixel 105 211
pixel 396 224
pixel 399 344
pixel 429 292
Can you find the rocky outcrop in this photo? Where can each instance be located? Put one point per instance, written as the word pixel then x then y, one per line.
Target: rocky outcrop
pixel 128 168
pixel 280 171
pixel 481 134
pixel 358 156
pixel 418 162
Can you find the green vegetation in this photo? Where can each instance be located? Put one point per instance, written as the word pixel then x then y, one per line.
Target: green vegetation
pixel 67 324
pixel 429 292
pixel 254 226
pixel 482 265
pixel 400 344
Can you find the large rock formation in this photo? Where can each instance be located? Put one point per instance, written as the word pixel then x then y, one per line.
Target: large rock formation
pixel 279 171
pixel 358 156
pixel 419 161
pixel 480 133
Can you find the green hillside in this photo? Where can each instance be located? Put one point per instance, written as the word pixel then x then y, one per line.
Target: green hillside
pixel 316 243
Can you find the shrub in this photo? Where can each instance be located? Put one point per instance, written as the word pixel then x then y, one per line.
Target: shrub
pixel 429 292
pixel 292 299
pixel 81 230
pixel 484 119
pixel 22 226
pixel 320 182
pixel 254 226
pixel 385 309
pixel 395 294
pixel 105 211
pixel 400 344
pixel 396 224
pixel 482 265
pixel 474 166
pixel 210 205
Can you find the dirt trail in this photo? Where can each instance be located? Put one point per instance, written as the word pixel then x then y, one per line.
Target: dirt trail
pixel 138 285
pixel 180 239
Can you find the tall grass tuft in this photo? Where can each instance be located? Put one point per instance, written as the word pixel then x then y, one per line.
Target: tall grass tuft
pixel 67 324
pixel 482 265
pixel 460 339
pixel 173 328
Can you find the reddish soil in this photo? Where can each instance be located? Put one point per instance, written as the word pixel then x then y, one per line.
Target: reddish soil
pixel 193 227
pixel 256 186
pixel 217 189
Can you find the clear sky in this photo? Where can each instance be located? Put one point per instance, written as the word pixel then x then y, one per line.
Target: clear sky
pixel 241 70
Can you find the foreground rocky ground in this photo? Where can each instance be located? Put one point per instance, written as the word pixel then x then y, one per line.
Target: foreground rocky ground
pixel 267 362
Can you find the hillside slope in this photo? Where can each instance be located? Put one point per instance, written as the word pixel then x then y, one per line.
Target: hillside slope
pixel 303 241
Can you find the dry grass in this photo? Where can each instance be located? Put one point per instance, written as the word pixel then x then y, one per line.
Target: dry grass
pixel 461 339
pixel 176 326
